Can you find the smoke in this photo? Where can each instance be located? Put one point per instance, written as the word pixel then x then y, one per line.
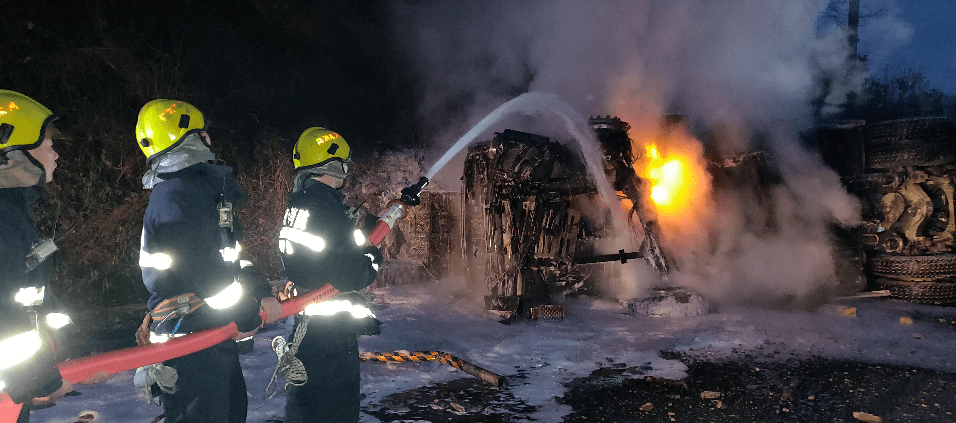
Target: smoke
pixel 883 32
pixel 746 70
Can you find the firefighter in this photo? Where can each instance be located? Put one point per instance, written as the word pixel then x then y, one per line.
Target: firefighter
pixel 319 243
pixel 27 160
pixel 190 264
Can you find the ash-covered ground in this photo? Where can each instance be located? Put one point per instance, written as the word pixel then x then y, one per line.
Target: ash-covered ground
pixel 883 358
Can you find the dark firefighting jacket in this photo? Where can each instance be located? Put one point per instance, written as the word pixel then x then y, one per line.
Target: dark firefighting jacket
pixel 185 249
pixel 319 244
pixel 36 376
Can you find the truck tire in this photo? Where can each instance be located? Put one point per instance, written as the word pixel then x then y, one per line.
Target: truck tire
pixel 893 132
pixel 914 268
pixel 910 153
pixel 926 292
pixel 909 142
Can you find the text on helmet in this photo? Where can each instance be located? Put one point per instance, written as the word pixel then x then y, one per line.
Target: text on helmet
pixel 8 108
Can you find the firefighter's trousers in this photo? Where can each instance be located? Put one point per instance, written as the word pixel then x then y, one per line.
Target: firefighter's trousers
pixel 210 388
pixel 329 352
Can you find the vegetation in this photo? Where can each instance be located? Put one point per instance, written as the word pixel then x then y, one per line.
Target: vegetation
pixel 904 94
pixel 261 71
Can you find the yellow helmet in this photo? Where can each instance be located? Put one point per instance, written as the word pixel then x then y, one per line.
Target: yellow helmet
pixel 23 121
pixel 318 147
pixel 163 124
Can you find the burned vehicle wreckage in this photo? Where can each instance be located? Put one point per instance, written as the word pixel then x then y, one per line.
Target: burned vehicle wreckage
pixel 530 223
pixel 903 173
pixel 532 229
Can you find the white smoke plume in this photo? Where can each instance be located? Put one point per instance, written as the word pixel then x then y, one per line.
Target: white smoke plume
pixel 739 70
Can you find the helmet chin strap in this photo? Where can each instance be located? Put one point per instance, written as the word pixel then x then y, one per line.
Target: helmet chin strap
pixel 191 151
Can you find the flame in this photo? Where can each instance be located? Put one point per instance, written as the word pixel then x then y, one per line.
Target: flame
pixel 671 179
pixel 676 187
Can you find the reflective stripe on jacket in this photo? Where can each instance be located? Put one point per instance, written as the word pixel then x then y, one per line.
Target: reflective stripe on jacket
pixel 37 376
pixel 182 245
pixel 317 241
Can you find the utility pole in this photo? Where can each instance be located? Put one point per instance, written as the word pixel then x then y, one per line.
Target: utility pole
pixel 853 27
pixel 854 64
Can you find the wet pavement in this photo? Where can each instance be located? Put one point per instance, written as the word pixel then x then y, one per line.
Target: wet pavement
pixel 748 389
pixel 745 389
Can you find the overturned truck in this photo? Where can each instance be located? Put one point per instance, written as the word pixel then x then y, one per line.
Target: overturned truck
pixel 531 224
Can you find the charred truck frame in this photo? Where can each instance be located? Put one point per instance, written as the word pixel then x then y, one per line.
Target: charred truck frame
pixel 531 227
pixel 530 218
pixel 903 173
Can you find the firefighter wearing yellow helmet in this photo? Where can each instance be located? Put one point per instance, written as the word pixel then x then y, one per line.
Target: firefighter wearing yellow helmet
pixel 320 151
pixel 165 124
pixel 27 161
pixel 189 254
pixel 319 244
pixel 24 121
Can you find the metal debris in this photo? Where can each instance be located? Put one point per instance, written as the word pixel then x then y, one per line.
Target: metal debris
pixel 547 312
pixel 668 302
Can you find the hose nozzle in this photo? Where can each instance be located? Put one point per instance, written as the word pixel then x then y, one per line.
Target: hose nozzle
pixel 412 195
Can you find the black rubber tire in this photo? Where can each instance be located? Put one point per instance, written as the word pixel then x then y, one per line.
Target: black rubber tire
pixel 910 153
pixel 893 132
pixel 914 268
pixel 927 292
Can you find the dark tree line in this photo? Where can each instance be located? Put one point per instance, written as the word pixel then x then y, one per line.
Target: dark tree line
pixel 903 94
pixel 887 94
pixel 262 71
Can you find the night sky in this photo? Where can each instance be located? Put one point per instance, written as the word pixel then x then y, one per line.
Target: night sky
pixel 912 34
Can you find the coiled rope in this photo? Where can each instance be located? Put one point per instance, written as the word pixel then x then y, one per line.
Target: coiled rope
pixel 163 376
pixel 292 369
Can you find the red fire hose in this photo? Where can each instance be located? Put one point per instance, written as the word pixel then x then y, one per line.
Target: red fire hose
pixel 131 358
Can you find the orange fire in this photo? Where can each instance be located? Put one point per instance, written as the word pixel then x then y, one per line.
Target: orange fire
pixel 671 179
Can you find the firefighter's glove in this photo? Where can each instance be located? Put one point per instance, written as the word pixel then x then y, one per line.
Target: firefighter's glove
pixel 375 254
pixel 142 332
pixel 272 308
pixel 411 195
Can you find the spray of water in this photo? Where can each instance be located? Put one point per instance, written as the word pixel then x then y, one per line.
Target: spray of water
pixel 552 107
pixel 544 105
